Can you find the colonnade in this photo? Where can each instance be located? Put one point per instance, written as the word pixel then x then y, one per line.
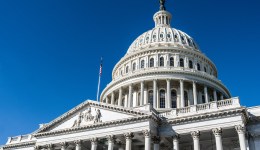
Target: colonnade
pixel 138 94
pixel 150 141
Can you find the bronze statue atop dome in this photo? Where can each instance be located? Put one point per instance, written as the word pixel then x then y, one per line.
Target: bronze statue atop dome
pixel 162 3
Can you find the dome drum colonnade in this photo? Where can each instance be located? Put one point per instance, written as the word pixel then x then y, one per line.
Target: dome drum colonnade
pixel 165 68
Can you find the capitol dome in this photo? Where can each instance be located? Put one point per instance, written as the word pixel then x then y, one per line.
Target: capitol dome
pixel 164 67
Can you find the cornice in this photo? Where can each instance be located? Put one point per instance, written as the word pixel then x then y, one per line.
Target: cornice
pixel 207 116
pixel 19 145
pixel 97 126
pixel 93 104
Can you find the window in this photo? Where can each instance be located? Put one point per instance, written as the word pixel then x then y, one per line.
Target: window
pixel 174 98
pixel 203 99
pixel 171 61
pixel 150 97
pixel 162 98
pixel 190 64
pixel 181 62
pixel 205 69
pixel 186 99
pixel 161 61
pixel 152 62
pixel 198 66
pixel 134 66
pixel 142 64
pixel 126 70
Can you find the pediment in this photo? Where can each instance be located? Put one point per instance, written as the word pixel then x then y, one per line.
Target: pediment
pixel 89 113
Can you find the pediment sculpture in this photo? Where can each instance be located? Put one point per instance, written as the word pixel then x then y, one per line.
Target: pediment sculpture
pixel 86 118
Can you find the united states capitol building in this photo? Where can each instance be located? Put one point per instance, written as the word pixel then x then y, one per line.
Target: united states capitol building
pixel 164 95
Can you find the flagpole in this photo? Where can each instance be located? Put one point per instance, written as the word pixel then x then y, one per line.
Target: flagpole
pixel 100 73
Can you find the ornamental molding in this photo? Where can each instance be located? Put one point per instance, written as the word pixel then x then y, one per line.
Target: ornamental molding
pixel 163 72
pixel 205 116
pixel 96 126
pixel 87 118
pixel 19 145
pixel 91 104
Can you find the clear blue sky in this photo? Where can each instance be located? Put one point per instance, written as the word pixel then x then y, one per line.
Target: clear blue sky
pixel 50 50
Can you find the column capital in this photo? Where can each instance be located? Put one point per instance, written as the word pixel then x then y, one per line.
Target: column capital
pixel 64 144
pixel 217 131
pixel 77 142
pixel 168 79
pixel 50 146
pixel 146 133
pixel 240 129
pixel 128 135
pixel 37 147
pixel 93 140
pixel 195 135
pixel 156 139
pixel 176 137
pixel 111 138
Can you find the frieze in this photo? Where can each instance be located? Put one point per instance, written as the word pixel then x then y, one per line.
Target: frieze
pixel 85 118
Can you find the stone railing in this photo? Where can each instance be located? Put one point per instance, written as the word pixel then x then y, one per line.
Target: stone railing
pixel 18 139
pixel 203 108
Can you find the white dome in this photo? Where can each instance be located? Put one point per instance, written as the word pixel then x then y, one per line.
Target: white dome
pixel 163 35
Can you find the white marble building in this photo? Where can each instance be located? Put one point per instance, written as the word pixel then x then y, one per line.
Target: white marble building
pixel 164 94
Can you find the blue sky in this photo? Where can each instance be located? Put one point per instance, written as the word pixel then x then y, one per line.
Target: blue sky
pixel 50 50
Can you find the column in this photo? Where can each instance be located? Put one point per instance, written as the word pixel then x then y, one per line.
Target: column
pixel 111 141
pixel 169 102
pixel 217 133
pixel 196 141
pixel 154 94
pixel 37 147
pixel 206 94
pixel 215 95
pixel 63 145
pixel 78 144
pixel 182 94
pixel 176 139
pixel 147 137
pixel 195 93
pixel 113 98
pixel 106 100
pixel 93 143
pixel 128 140
pixel 130 96
pixel 50 147
pixel 120 97
pixel 156 142
pixel 146 96
pixel 241 135
pixel 142 93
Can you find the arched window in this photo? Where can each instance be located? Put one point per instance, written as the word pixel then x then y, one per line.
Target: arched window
pixel 190 64
pixel 162 98
pixel 150 97
pixel 161 61
pixel 142 63
pixel 186 99
pixel 181 62
pixel 134 66
pixel 126 70
pixel 205 69
pixel 198 66
pixel 171 61
pixel 174 98
pixel 151 62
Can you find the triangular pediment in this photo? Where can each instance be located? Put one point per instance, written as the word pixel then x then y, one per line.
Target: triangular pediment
pixel 90 113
